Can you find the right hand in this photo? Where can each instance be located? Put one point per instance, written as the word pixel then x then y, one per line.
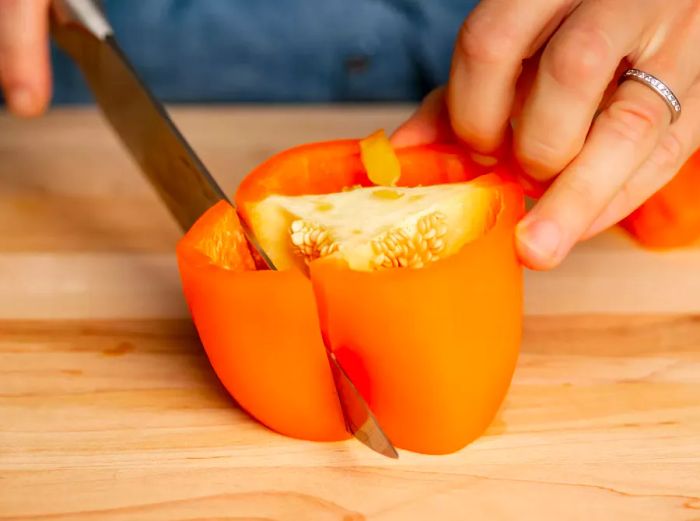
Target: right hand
pixel 25 74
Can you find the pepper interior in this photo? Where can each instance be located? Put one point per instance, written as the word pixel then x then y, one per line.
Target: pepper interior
pixel 373 228
pixel 369 228
pixel 222 241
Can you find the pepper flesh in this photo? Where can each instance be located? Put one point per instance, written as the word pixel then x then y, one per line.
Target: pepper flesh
pixel 260 332
pixel 432 350
pixel 671 217
pixel 380 161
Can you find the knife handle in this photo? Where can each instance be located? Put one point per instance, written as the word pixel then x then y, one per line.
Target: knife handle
pixel 86 14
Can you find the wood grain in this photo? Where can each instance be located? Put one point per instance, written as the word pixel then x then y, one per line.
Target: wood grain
pixel 109 409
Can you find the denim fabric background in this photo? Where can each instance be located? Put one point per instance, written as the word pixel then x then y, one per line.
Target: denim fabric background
pixel 280 50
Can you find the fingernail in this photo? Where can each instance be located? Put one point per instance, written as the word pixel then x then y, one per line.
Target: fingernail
pixel 21 101
pixel 541 239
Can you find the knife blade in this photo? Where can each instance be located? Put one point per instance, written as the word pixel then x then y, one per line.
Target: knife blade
pixel 140 121
pixel 144 127
pixel 359 419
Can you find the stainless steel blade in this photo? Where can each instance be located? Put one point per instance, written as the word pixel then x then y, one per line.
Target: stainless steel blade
pixel 139 119
pixel 180 178
pixel 359 419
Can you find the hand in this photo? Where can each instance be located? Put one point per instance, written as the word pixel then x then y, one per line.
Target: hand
pixel 601 149
pixel 24 55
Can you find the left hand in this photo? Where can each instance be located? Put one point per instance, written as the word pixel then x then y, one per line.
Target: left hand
pixel 601 149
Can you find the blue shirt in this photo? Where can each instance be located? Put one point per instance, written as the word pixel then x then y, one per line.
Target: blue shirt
pixel 280 50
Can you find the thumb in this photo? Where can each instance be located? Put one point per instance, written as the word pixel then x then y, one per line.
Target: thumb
pixel 428 124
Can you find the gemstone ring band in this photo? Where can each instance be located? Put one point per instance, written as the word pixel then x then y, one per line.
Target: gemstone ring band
pixel 657 86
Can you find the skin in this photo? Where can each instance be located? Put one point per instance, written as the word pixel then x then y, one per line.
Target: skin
pixel 537 75
pixel 25 75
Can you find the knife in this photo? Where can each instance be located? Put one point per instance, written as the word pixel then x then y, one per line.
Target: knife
pixel 182 181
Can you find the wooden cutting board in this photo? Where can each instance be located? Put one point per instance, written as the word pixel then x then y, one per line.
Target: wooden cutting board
pixel 109 410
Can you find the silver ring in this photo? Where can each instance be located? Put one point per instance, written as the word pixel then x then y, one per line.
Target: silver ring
pixel 657 86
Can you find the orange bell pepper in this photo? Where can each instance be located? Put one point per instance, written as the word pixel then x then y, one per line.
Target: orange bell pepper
pixel 671 217
pixel 432 350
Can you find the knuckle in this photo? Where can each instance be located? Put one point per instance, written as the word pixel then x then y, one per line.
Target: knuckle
pixel 581 192
pixel 580 188
pixel 484 39
pixel 633 121
pixel 541 159
pixel 625 196
pixel 668 154
pixel 579 57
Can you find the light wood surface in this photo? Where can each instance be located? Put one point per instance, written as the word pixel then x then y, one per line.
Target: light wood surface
pixel 109 410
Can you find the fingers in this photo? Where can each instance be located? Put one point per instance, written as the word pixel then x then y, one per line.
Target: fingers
pixel 622 137
pixel 488 56
pixel 24 55
pixel 674 149
pixel 577 65
pixel 621 140
pixel 428 124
